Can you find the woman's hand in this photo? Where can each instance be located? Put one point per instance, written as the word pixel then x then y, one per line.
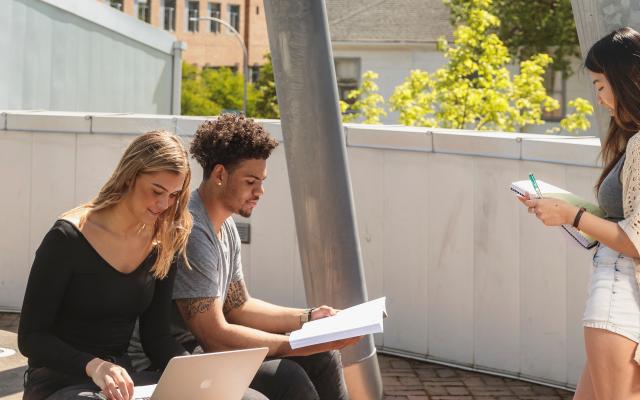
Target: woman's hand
pixel 552 212
pixel 112 379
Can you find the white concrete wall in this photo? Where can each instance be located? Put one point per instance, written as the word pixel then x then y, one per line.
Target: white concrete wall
pixel 470 277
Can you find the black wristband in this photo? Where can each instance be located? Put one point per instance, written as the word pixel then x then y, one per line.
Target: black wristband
pixel 576 220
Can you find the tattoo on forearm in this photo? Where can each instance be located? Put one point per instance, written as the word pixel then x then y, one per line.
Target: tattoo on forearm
pixel 190 307
pixel 236 296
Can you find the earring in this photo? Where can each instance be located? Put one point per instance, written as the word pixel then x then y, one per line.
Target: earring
pixel 219 183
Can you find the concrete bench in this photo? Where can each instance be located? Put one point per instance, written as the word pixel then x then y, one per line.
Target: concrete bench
pixel 12 366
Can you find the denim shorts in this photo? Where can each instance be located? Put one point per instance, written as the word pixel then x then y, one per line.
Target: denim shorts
pixel 613 302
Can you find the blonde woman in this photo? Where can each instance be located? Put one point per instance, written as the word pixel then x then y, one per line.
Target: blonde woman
pixel 100 267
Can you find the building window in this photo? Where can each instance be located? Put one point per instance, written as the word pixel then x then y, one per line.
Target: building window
pixel 234 16
pixel 254 72
pixel 192 15
pixel 143 10
pixel 348 76
pixel 168 15
pixel 117 4
pixel 214 12
pixel 557 88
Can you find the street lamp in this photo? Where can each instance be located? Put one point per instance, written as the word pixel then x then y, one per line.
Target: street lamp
pixel 245 58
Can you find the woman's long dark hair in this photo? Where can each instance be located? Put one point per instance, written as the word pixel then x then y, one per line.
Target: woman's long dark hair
pixel 617 56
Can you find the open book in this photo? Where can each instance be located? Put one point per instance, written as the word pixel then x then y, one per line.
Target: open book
pixel 363 319
pixel 548 190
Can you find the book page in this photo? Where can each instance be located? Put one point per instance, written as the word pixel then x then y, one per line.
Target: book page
pixel 354 319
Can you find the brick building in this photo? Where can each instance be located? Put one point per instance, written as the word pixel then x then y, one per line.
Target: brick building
pixel 209 44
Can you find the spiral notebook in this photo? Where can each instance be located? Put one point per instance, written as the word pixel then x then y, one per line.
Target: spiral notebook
pixel 548 190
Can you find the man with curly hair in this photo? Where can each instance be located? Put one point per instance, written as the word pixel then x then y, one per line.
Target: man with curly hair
pixel 217 312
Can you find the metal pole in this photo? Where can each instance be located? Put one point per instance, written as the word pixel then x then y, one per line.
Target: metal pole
pixel 176 85
pixel 245 56
pixel 315 149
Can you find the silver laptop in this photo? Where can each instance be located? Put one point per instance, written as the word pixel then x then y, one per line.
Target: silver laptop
pixel 212 376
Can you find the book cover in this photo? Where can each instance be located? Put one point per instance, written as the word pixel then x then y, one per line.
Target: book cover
pixel 554 192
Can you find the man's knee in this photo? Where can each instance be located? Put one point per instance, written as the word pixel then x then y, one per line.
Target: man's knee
pixel 322 363
pixel 284 379
pixel 325 371
pixel 292 373
pixel 330 359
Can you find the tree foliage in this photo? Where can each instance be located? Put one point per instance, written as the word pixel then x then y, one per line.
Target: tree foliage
pixel 267 101
pixel 367 102
pixel 226 89
pixel 210 91
pixel 577 120
pixel 475 89
pixel 530 27
pixel 195 96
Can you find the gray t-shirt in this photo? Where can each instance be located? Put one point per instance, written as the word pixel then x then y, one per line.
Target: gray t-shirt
pixel 215 263
pixel 610 193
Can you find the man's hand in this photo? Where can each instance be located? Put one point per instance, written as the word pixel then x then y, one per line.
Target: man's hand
pixel 323 312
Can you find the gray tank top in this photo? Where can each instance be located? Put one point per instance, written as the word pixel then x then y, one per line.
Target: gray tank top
pixel 610 193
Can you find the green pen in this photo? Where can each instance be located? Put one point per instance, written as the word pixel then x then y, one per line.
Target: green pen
pixel 535 185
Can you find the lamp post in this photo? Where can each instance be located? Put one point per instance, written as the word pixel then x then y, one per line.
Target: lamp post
pixel 245 57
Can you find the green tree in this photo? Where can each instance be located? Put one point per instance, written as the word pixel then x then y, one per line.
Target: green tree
pixel 195 97
pixel 226 89
pixel 266 101
pixel 577 120
pixel 475 90
pixel 367 102
pixel 210 91
pixel 530 27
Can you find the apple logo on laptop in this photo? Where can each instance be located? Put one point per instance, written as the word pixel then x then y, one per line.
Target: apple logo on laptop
pixel 206 384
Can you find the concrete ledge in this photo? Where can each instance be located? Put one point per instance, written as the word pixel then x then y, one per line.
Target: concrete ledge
pixel 131 123
pixel 486 144
pixel 186 126
pixel 273 127
pixel 48 121
pixel 568 150
pixel 389 137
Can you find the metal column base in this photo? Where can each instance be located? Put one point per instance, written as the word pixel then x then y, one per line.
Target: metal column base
pixel 363 379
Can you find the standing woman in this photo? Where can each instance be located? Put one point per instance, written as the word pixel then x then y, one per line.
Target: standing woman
pixel 100 267
pixel 612 315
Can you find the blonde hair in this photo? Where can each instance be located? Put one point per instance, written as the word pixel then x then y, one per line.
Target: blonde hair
pixel 151 152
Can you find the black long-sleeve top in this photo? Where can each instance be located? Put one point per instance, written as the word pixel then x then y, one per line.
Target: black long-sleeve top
pixel 77 306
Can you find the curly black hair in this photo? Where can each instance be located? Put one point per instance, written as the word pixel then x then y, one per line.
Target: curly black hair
pixel 229 140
